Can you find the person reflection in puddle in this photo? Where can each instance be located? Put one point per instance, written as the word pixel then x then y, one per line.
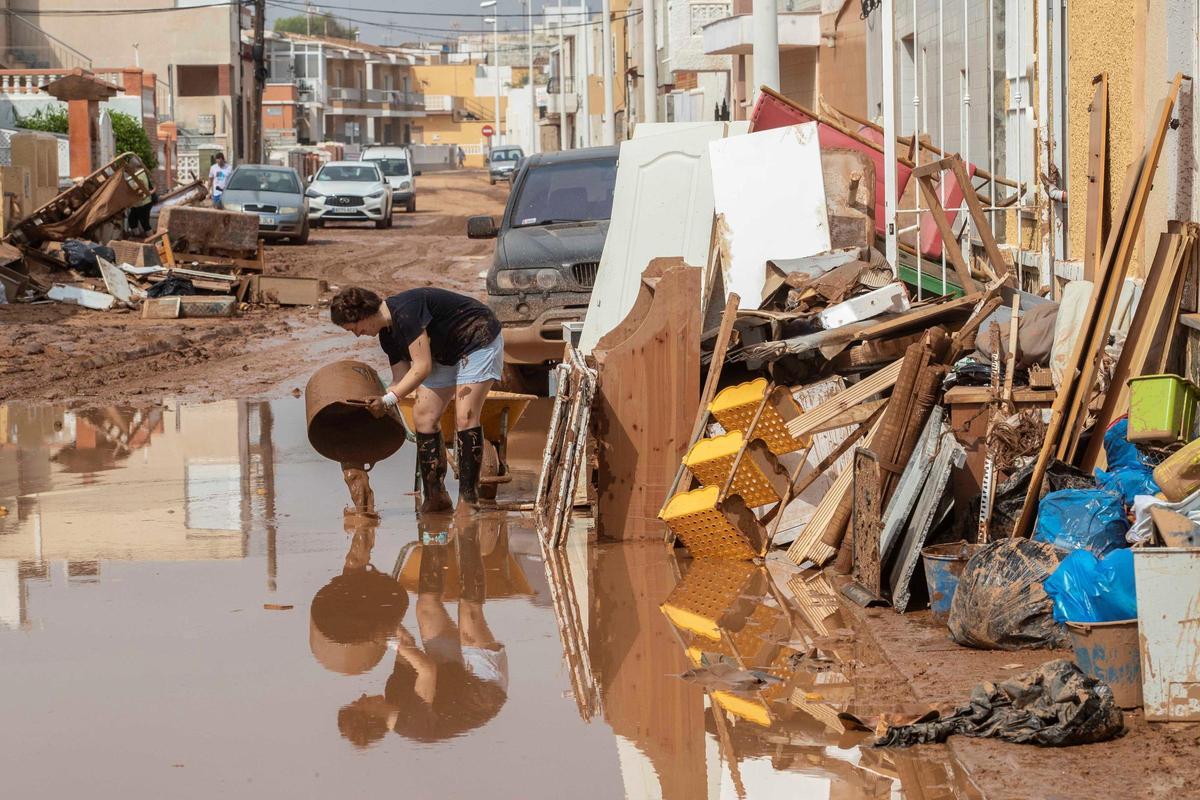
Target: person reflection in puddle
pixel 455 678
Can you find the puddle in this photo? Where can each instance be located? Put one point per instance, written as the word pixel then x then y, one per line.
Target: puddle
pixel 186 611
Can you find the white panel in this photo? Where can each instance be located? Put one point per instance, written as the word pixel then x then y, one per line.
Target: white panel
pixel 770 193
pixel 662 207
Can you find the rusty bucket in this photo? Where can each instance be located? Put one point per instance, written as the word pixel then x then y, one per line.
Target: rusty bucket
pixel 339 425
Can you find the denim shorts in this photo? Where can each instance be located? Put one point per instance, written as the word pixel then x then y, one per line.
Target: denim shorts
pixel 484 364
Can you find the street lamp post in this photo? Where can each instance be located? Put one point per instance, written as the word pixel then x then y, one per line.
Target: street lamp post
pixel 498 134
pixel 533 137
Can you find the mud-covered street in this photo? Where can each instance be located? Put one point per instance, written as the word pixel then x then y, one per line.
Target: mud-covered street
pixel 70 355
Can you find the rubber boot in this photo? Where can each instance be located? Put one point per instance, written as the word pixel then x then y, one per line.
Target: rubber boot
pixel 470 457
pixel 431 460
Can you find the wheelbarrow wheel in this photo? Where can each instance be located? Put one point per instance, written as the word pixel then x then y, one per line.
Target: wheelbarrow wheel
pixel 490 468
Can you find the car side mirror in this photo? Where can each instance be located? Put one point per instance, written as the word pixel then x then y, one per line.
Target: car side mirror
pixel 481 227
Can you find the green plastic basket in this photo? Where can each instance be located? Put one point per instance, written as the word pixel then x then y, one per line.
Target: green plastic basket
pixel 1162 409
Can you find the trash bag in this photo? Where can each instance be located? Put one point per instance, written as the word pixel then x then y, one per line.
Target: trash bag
pixel 1082 519
pixel 1055 705
pixel 1088 589
pixel 1128 474
pixel 1000 603
pixel 81 255
pixel 1010 495
pixel 170 286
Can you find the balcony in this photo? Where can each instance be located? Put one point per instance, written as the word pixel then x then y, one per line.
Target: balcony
pixel 558 103
pixel 439 104
pixel 344 94
pixel 735 35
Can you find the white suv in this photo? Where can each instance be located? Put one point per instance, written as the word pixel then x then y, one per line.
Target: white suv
pixel 349 191
pixel 396 165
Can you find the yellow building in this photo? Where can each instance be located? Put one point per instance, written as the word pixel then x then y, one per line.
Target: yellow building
pixel 458 103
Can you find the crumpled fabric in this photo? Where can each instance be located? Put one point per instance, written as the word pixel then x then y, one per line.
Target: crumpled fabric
pixel 1055 705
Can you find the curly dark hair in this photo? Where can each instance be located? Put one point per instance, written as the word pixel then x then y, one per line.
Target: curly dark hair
pixel 353 304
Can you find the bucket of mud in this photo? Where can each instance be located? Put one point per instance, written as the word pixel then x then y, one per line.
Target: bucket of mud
pixel 1108 651
pixel 339 425
pixel 943 565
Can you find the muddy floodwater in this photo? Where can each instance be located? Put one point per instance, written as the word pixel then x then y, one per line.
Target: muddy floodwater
pixel 187 612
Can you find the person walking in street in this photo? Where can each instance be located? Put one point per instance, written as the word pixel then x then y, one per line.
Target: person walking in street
pixel 462 157
pixel 442 346
pixel 218 176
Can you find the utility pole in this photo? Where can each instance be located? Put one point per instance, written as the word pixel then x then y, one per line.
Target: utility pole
pixel 562 82
pixel 533 137
pixel 608 126
pixel 766 45
pixel 498 134
pixel 650 60
pixel 260 80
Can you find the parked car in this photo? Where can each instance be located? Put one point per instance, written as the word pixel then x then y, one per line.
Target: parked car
pixel 548 247
pixel 349 191
pixel 396 164
pixel 503 163
pixel 276 194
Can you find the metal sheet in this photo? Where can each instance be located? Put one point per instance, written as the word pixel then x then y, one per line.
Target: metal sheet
pixel 662 207
pixel 1168 602
pixel 769 196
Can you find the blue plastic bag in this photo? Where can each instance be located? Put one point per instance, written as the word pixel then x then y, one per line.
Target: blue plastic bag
pixel 1087 589
pixel 1127 474
pixel 1082 519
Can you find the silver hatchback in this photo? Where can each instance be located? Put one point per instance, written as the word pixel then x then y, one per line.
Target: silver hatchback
pixel 276 194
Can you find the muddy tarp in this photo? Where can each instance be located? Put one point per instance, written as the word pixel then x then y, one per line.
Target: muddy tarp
pixel 1000 603
pixel 1055 705
pixel 113 198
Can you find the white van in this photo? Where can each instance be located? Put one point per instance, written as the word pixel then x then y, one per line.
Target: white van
pixel 396 165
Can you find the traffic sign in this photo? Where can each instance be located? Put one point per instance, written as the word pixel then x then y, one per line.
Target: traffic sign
pixel 488 131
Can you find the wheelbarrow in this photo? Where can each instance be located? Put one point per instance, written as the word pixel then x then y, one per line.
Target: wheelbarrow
pixel 501 410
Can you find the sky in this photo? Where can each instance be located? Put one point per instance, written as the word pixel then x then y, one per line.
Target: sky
pixel 409 21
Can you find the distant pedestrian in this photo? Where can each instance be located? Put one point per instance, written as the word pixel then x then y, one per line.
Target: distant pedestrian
pixel 462 158
pixel 139 215
pixel 218 175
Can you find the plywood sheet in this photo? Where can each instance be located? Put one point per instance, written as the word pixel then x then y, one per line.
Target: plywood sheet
pixel 769 196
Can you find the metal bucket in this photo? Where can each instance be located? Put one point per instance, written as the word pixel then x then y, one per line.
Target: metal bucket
pixel 943 565
pixel 339 425
pixel 1108 651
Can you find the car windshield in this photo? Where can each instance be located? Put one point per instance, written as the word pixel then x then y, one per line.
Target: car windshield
pixel 366 173
pixel 263 180
pixel 392 167
pixel 506 155
pixel 572 191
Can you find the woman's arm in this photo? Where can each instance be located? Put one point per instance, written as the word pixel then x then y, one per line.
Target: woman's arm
pixel 407 375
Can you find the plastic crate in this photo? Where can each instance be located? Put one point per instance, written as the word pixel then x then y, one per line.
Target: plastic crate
pixel 1162 408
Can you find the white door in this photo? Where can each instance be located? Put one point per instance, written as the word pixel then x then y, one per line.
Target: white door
pixel 662 207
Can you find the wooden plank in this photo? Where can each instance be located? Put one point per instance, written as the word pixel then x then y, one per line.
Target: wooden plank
pixel 923 317
pixel 947 232
pixel 854 416
pixel 1151 308
pixel 810 421
pixel 867 520
pixel 1010 367
pixel 1097 175
pixel 161 308
pixel 288 291
pixel 975 209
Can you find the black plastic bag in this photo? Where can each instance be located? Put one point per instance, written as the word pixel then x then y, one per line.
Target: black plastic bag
pixel 81 256
pixel 1055 705
pixel 1010 495
pixel 1000 603
pixel 170 286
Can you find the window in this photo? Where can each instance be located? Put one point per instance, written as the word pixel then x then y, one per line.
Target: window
pixel 349 172
pixel 248 179
pixel 574 191
pixel 392 167
pixel 197 81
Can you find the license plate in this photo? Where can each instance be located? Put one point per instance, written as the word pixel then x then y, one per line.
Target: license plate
pixel 268 219
pixel 343 211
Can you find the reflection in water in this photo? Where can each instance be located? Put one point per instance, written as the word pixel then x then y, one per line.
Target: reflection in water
pixel 450 675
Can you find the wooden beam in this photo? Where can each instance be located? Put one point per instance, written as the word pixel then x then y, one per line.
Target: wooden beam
pixel 982 227
pixel 812 421
pixel 1093 241
pixel 947 232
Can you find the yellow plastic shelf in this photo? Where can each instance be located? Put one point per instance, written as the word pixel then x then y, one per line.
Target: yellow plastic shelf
pixel 710 460
pixel 704 528
pixel 735 407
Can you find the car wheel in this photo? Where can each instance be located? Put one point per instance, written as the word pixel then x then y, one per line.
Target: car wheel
pixel 302 238
pixel 317 223
pixel 411 206
pixel 380 224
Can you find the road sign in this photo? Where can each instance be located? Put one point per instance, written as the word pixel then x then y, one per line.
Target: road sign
pixel 488 131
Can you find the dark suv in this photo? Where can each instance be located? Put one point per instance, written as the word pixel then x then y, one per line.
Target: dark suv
pixel 548 248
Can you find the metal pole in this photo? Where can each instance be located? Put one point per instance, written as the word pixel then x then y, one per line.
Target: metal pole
pixel 608 126
pixel 649 63
pixel 766 45
pixel 533 137
pixel 586 100
pixel 496 66
pixel 562 82
pixel 889 132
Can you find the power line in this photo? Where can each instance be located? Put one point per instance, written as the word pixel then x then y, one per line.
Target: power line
pixel 290 6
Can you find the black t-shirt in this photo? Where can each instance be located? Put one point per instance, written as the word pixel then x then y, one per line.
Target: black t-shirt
pixel 457 325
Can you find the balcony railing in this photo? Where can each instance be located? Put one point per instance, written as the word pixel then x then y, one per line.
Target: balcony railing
pixel 439 103
pixel 344 93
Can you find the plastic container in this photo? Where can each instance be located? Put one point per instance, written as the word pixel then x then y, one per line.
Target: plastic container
pixel 1179 475
pixel 1168 594
pixel 1162 409
pixel 339 425
pixel 943 565
pixel 1108 651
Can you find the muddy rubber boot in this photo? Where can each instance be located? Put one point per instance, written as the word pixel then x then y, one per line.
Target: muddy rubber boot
pixel 470 457
pixel 431 460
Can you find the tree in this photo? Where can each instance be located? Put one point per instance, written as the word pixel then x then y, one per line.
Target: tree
pixel 128 134
pixel 316 24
